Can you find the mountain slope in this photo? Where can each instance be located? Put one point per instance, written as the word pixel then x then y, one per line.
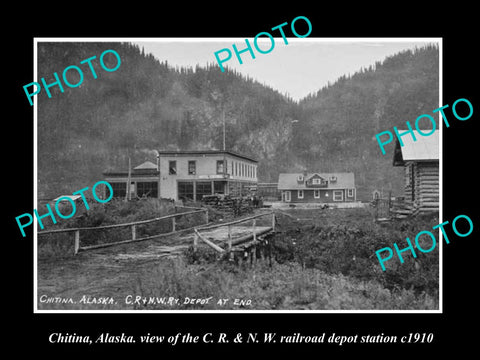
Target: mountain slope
pixel 340 121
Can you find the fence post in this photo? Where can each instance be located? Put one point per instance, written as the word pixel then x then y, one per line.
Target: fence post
pixel 77 241
pixel 134 232
pixel 195 242
pixel 229 238
pixel 206 216
pixel 253 230
pixel 173 224
pixel 273 221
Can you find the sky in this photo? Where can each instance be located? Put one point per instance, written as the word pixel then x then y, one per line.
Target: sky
pixel 298 68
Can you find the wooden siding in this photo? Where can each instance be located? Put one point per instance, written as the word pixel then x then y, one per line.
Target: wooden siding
pixel 308 196
pixel 422 186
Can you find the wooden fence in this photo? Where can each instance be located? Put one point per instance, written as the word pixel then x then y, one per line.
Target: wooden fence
pixel 132 225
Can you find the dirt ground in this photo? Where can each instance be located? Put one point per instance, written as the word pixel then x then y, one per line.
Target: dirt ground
pixel 91 279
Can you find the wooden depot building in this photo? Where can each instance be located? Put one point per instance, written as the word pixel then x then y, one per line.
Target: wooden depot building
pixel 420 160
pixel 188 175
pixel 317 187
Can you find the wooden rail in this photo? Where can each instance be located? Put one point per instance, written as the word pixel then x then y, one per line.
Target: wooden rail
pixel 133 226
pixel 209 227
pixel 230 241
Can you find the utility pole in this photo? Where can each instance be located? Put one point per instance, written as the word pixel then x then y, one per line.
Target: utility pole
pixel 128 195
pixel 223 118
pixel 225 190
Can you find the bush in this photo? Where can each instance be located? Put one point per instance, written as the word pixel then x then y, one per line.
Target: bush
pixel 351 251
pixel 202 255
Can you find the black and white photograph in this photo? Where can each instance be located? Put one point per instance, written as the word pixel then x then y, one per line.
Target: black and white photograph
pixel 179 183
pixel 217 180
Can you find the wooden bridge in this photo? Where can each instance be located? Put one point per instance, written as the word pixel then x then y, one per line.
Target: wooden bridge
pixel 237 239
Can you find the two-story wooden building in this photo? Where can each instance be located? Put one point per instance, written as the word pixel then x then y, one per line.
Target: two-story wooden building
pixel 188 175
pixel 317 187
pixel 192 174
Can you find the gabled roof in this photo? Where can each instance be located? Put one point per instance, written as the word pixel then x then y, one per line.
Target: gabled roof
pixel 146 165
pixel 288 181
pixel 147 169
pixel 425 148
pixel 309 176
pixel 71 197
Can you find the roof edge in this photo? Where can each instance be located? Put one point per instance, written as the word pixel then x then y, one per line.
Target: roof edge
pixel 208 152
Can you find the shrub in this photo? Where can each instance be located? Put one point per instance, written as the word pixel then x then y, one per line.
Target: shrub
pixel 351 251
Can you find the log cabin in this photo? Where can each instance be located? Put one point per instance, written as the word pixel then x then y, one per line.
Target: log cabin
pixel 420 160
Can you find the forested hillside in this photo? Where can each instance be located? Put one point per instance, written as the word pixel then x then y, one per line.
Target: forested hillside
pixel 147 105
pixel 340 121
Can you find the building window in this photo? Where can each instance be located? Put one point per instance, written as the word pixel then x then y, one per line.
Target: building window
pixel 203 188
pixel 185 190
pixel 287 196
pixel 192 167
pixel 147 189
pixel 172 167
pixel 338 195
pixel 119 189
pixel 316 181
pixel 316 194
pixel 300 194
pixel 219 187
pixel 350 192
pixel 220 168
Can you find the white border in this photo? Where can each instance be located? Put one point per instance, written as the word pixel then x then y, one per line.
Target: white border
pixel 438 41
